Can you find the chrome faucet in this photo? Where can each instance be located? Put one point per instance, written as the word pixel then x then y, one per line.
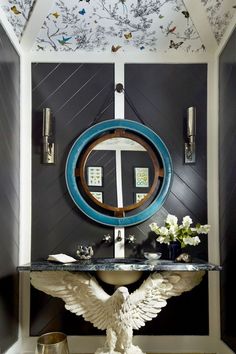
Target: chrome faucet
pixel 84 252
pixel 130 239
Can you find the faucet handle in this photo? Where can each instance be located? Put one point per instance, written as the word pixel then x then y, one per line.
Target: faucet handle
pixel 130 239
pixel 107 238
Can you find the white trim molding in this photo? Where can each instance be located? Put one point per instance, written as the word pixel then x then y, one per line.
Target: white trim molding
pixel 34 23
pixel 9 31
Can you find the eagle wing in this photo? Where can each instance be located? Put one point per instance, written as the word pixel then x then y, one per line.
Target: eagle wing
pixel 145 303
pixel 81 293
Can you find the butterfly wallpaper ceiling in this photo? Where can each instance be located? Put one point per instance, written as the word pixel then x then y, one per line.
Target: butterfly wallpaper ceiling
pixel 120 25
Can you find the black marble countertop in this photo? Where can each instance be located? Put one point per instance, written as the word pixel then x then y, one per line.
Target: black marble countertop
pixel 112 264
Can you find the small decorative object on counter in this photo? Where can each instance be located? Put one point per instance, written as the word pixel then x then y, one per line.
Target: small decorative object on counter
pixel 152 256
pixel 61 258
pixel 84 252
pixel 184 257
pixel 178 236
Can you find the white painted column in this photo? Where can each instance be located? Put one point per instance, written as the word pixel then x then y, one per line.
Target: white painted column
pixel 213 198
pixel 119 232
pixel 25 195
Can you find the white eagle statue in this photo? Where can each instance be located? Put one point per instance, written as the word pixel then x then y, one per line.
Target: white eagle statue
pixel 119 314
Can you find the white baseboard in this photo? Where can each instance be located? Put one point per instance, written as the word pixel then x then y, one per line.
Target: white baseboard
pixel 15 348
pixel 151 344
pixel 224 349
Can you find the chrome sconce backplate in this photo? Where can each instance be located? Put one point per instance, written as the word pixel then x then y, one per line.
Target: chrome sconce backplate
pixel 190 145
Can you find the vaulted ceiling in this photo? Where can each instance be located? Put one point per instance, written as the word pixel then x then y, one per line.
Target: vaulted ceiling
pixel 122 25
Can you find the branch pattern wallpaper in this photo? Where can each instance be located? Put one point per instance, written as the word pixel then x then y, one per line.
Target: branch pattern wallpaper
pixel 120 25
pixel 219 13
pixel 18 12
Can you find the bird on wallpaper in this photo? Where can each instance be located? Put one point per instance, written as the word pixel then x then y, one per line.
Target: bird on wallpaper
pixel 82 12
pixel 15 11
pixel 186 14
pixel 175 45
pixel 120 313
pixel 128 35
pixel 115 48
pixel 171 30
pixel 56 14
pixel 64 40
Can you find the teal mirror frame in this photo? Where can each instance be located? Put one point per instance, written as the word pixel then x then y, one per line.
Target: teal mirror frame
pixel 95 132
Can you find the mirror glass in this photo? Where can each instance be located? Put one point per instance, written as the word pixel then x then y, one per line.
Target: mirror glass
pixel 119 172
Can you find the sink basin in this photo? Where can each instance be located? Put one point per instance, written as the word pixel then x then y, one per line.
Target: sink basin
pixel 119 277
pixel 118 260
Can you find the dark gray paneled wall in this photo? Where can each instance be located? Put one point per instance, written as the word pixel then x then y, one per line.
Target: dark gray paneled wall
pixel 9 191
pixel 75 92
pixel 161 94
pixel 227 168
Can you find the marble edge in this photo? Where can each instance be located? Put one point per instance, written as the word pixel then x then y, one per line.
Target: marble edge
pixel 142 266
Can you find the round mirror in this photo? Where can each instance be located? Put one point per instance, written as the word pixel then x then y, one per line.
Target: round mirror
pixel 119 172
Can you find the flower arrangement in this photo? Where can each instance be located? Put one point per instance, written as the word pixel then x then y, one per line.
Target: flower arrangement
pixel 183 233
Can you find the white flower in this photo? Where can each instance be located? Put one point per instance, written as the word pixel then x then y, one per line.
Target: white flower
pixel 163 231
pixel 203 229
pixel 153 226
pixel 187 221
pixel 172 220
pixel 183 233
pixel 163 239
pixel 173 230
pixel 193 241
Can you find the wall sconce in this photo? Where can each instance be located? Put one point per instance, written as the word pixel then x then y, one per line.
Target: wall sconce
pixel 189 147
pixel 48 143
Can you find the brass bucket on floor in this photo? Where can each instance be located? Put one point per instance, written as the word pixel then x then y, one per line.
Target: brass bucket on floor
pixel 52 343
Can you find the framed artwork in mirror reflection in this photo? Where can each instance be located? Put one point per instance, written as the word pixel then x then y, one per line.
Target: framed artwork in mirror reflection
pixel 98 196
pixel 141 177
pixel 95 176
pixel 139 197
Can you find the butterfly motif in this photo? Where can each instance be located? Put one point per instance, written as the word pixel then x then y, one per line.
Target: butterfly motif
pixel 186 14
pixel 115 48
pixel 15 11
pixel 175 45
pixel 171 30
pixel 64 40
pixel 56 14
pixel 82 12
pixel 128 35
pixel 142 47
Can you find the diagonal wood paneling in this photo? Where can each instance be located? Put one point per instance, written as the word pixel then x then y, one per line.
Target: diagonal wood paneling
pixel 75 93
pixel 161 94
pixel 227 167
pixel 9 191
